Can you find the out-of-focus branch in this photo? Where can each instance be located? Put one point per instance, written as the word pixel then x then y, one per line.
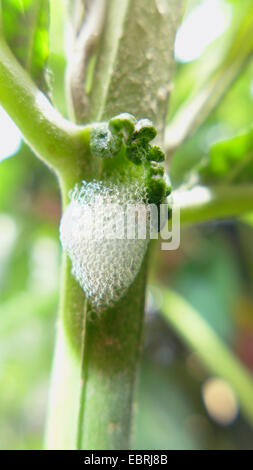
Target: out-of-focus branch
pixel 195 111
pixel 85 40
pixel 202 204
pixel 203 340
pixel 1 20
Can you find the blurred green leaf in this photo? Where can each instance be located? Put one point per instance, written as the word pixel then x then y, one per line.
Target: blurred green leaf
pixel 25 24
pixel 20 177
pixel 166 399
pixel 192 114
pixel 231 160
pixel 26 342
pixel 232 118
pixel 210 282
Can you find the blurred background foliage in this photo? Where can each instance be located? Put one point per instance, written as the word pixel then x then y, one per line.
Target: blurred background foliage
pixel 182 404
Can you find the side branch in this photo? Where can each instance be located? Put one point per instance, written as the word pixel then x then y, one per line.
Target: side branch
pixel 61 144
pixel 84 45
pixel 202 204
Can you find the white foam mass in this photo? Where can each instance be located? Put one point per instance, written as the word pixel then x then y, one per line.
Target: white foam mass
pixel 104 267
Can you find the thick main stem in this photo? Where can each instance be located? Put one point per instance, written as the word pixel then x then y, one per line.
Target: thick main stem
pixel 92 396
pixel 95 365
pixel 111 358
pixel 95 369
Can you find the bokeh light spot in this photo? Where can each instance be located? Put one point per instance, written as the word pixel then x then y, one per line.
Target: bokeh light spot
pixel 205 23
pixel 220 401
pixel 10 136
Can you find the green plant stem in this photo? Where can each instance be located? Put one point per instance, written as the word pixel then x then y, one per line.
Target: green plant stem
pixel 125 82
pixel 97 354
pixel 111 357
pixel 201 339
pixel 95 366
pixel 134 79
pixel 94 372
pixel 61 144
pixel 202 204
pixel 92 393
pixel 66 381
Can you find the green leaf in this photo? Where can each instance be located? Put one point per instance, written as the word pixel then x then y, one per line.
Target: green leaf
pixel 25 25
pixel 231 161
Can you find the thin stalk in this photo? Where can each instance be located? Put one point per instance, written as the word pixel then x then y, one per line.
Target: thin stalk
pixel 203 340
pixel 84 45
pixel 202 204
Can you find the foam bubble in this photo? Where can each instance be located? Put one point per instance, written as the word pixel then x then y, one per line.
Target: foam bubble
pixel 105 268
